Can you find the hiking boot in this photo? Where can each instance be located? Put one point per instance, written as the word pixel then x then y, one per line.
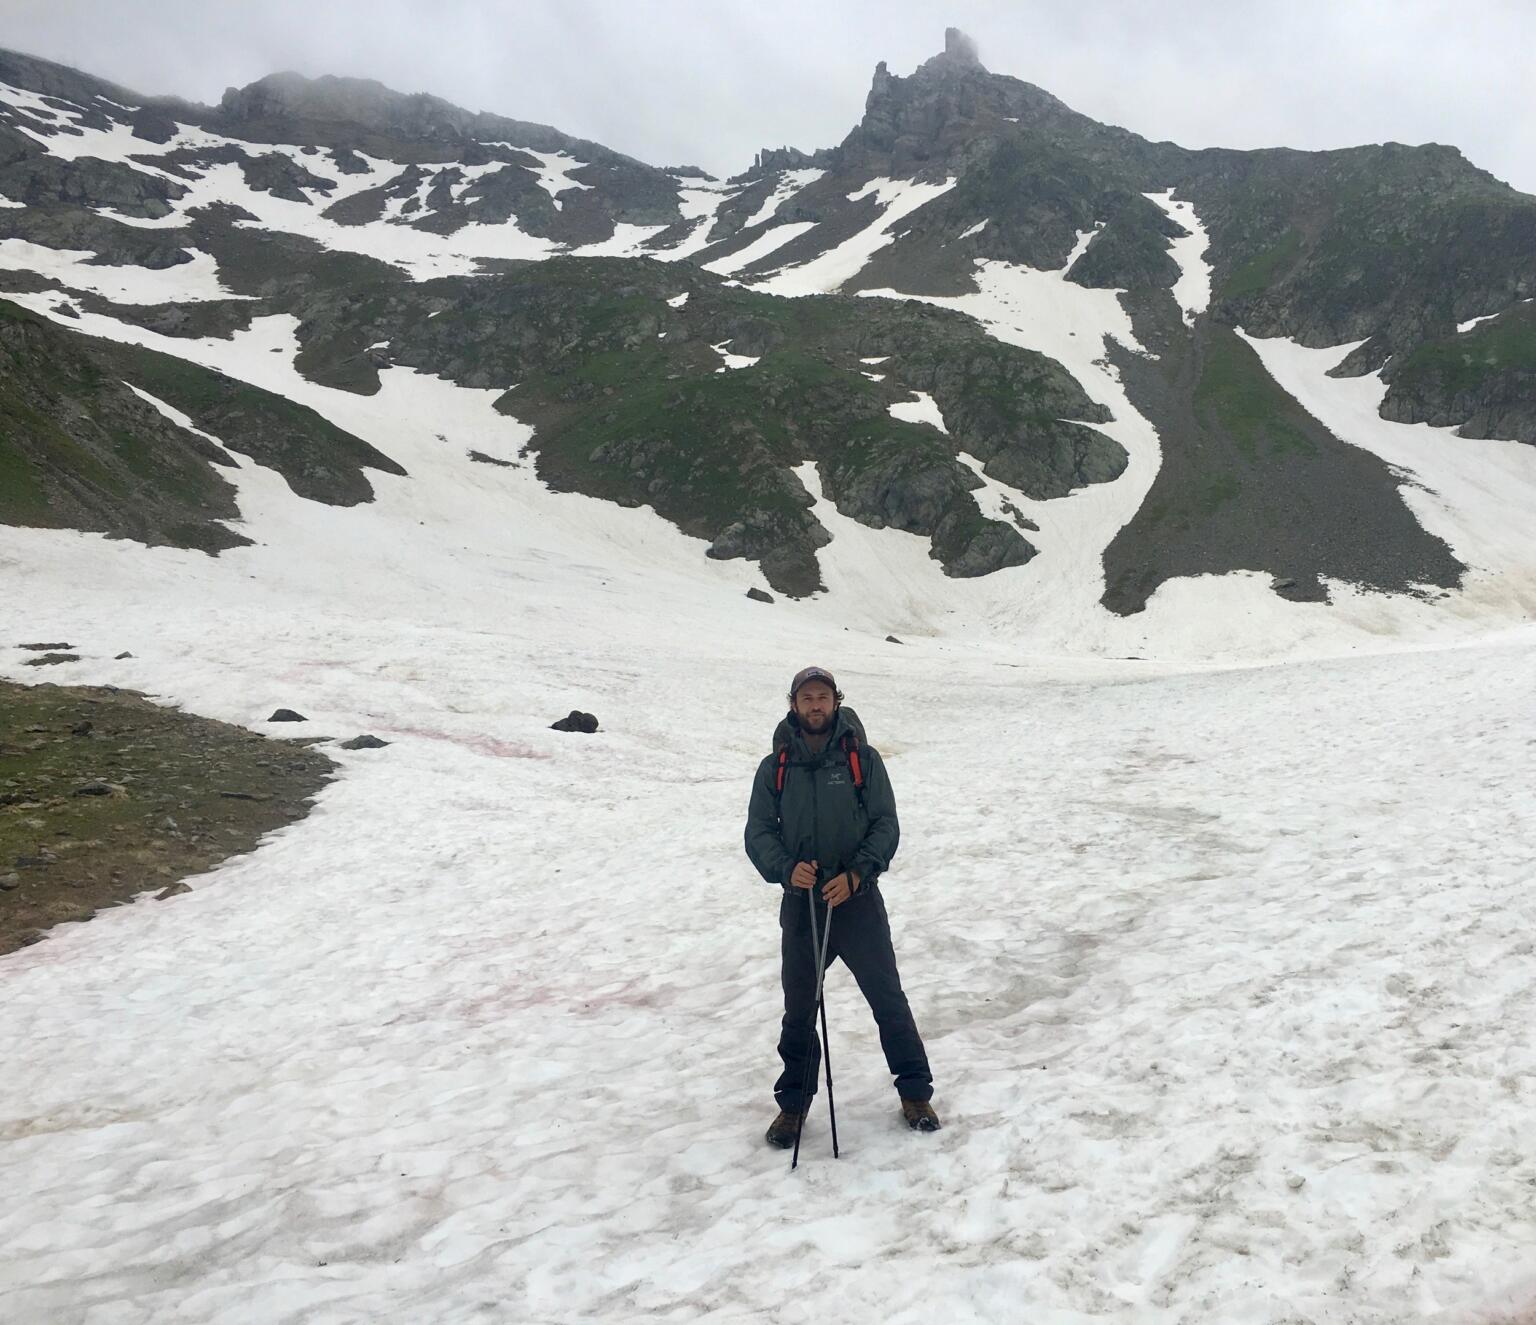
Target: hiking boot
pixel 920 1116
pixel 783 1129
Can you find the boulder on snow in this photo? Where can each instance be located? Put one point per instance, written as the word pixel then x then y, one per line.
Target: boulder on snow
pixel 364 743
pixel 575 721
pixel 891 639
pixel 287 715
pixel 759 595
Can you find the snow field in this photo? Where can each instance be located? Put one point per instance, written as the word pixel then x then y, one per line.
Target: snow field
pixel 1225 975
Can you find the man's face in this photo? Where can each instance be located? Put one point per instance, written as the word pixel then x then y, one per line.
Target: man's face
pixel 814 706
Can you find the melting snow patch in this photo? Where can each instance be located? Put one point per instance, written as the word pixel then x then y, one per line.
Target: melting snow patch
pixel 898 198
pixel 1486 317
pixel 975 229
pixel 734 360
pixel 1192 291
pixel 1084 238
pixel 677 301
pixel 775 237
pixel 554 175
pixel 790 184
pixel 188 282
pixel 925 409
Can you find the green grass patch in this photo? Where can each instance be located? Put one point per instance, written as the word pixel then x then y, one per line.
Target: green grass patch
pixel 1463 363
pixel 1237 398
pixel 1263 271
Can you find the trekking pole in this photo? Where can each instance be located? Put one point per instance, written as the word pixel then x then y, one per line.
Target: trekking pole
pixel 818 950
pixel 826 1043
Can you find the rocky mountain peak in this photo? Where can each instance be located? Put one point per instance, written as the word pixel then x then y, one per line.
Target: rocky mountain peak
pixel 958 56
pixel 359 101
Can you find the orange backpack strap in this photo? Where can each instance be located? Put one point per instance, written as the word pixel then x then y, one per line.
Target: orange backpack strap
pixel 851 749
pixel 778 782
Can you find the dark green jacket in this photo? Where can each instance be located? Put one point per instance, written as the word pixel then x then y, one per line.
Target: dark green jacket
pixel 822 819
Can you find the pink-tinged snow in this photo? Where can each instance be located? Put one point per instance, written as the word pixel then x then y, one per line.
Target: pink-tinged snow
pixel 898 198
pixel 1226 975
pixel 1192 291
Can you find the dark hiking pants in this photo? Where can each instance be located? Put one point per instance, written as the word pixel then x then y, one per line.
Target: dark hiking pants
pixel 861 936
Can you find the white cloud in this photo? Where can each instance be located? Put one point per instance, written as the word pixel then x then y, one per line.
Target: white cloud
pixel 708 83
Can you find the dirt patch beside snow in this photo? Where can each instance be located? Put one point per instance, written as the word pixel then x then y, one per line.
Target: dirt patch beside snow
pixel 105 795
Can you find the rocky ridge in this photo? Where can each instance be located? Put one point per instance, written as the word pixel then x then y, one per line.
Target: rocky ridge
pixel 626 391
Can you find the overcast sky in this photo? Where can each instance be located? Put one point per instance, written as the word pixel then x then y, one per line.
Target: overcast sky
pixel 708 83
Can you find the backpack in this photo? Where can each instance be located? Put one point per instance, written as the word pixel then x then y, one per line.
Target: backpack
pixel 849 743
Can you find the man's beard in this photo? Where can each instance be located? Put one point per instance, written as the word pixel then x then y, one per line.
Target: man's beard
pixel 816 725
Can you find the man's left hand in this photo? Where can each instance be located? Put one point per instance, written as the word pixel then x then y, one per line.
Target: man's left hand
pixel 840 887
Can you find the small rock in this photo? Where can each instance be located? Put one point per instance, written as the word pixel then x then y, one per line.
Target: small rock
pixel 80 729
pixel 287 715
pixel 891 639
pixel 9 881
pixel 242 796
pixel 29 862
pixel 1295 1182
pixel 49 659
pixel 364 743
pixel 1280 582
pixel 484 459
pixel 99 788
pixel 118 657
pixel 175 890
pixel 575 721
pixel 759 595
pixel 43 648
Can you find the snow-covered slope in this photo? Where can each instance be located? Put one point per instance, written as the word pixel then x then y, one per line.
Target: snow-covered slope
pixel 798 231
pixel 1223 973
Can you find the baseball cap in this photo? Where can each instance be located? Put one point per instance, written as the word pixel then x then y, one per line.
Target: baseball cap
pixel 811 674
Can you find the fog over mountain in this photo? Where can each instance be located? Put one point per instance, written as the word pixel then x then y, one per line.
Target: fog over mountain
pixel 1204 73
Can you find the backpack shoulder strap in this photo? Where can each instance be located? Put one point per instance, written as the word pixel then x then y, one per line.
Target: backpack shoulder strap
pixel 850 744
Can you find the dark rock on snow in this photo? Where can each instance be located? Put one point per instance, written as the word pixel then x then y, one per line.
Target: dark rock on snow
pixel 287 715
pixel 575 721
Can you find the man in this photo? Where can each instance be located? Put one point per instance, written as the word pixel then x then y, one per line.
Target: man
pixel 826 839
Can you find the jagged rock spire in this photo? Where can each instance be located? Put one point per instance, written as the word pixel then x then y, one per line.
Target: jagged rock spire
pixel 960 49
